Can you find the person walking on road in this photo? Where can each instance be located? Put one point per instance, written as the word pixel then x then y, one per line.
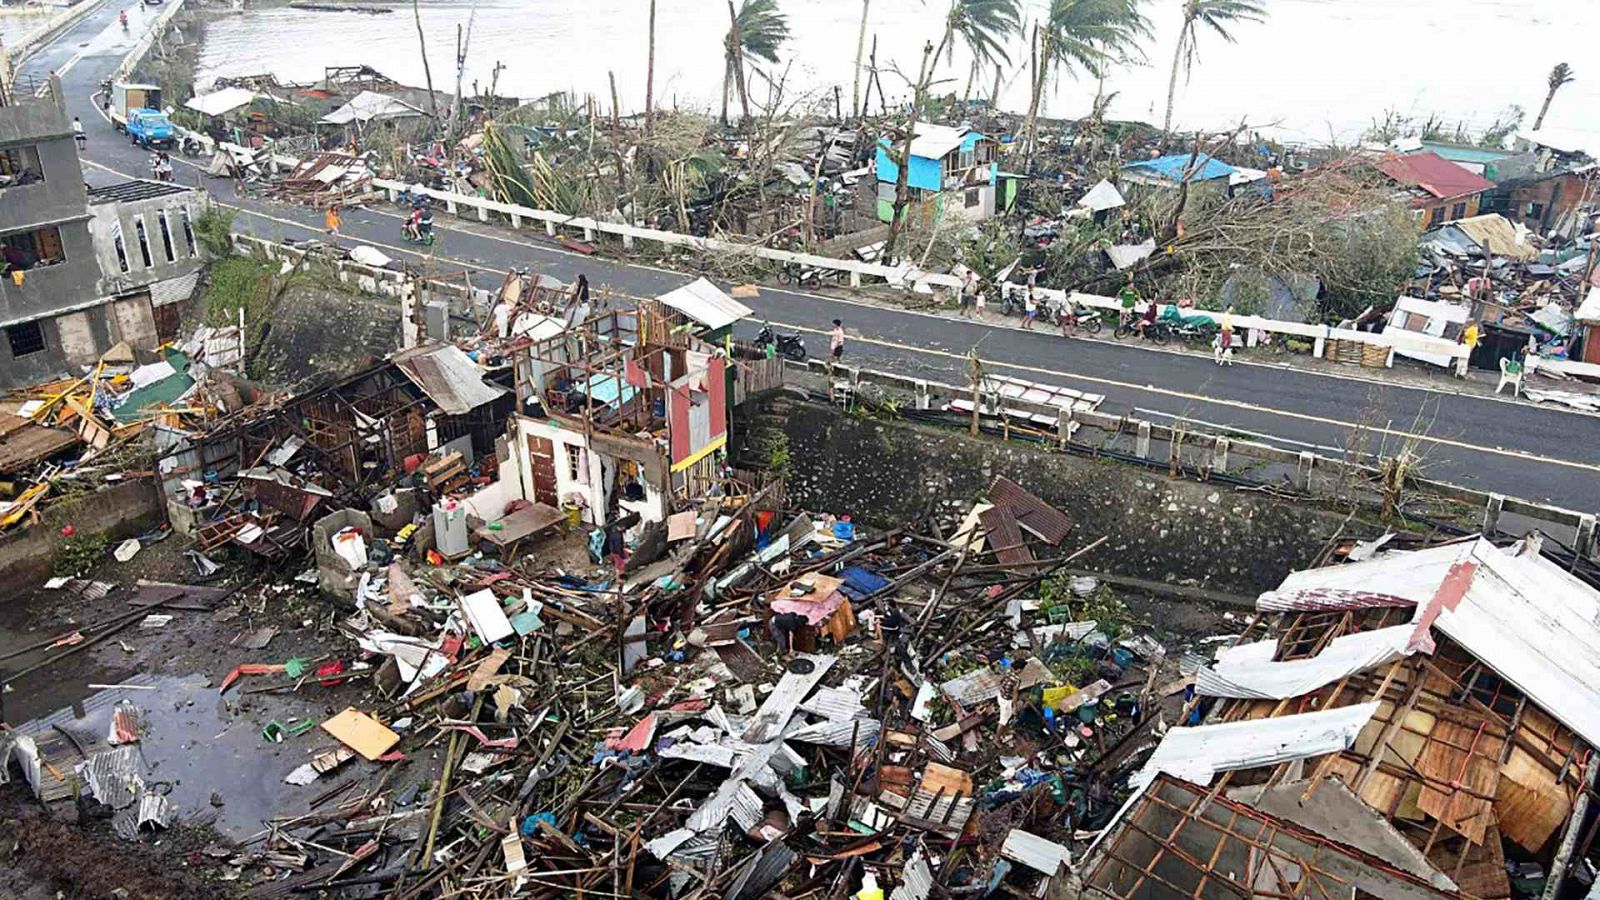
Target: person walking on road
pixel 331 219
pixel 77 133
pixel 1030 309
pixel 836 343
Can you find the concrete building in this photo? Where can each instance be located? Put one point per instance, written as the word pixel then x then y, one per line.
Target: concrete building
pixel 145 242
pixel 51 307
pixel 82 268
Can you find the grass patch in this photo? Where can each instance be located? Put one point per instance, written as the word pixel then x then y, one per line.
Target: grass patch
pixel 76 555
pixel 235 282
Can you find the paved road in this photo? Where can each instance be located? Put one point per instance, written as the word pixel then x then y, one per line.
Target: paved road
pixel 1514 448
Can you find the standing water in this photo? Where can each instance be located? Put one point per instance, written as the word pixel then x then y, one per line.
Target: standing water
pixel 1315 69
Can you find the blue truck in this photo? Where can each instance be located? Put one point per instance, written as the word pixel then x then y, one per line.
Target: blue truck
pixel 136 110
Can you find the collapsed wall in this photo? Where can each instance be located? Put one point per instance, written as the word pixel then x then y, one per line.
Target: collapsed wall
pixel 887 472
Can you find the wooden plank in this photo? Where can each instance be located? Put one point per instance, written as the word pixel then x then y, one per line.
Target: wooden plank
pixel 1450 767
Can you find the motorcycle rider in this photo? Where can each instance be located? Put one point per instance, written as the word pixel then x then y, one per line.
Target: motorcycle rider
pixel 412 227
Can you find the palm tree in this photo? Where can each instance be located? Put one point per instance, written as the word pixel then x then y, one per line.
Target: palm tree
pixel 755 33
pixel 1218 15
pixel 984 27
pixel 1082 34
pixel 1560 75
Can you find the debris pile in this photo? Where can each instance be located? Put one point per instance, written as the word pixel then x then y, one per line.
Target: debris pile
pixel 777 702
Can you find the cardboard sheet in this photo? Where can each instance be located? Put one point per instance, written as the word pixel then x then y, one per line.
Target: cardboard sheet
pixel 361 733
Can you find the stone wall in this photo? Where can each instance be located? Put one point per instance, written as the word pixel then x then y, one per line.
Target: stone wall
pixel 890 473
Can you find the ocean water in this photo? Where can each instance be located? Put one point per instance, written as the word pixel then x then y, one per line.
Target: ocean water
pixel 1316 70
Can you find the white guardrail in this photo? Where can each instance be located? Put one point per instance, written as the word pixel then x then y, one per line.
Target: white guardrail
pixel 49 29
pixel 1391 338
pixel 456 204
pixel 147 40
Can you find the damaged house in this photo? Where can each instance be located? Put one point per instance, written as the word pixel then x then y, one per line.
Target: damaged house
pixel 622 411
pixel 1413 724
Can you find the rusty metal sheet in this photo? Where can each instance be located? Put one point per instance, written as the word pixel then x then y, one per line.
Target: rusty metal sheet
pixel 1005 537
pixel 1036 516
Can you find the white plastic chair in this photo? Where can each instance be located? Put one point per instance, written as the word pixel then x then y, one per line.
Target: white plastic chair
pixel 1507 376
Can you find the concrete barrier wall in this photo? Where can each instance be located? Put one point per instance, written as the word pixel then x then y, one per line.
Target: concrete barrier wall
pixel 1183 446
pixel 121 511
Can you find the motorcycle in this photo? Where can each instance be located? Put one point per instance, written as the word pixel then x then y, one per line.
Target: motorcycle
pixel 788 346
pixel 424 236
pixel 190 146
pixel 1157 332
pixel 792 273
pixel 1089 320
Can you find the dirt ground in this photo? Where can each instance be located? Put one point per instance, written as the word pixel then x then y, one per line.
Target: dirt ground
pixel 204 749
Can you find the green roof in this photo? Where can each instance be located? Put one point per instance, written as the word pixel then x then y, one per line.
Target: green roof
pixel 163 393
pixel 1460 154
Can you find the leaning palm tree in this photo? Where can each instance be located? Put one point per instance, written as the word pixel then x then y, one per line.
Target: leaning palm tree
pixel 757 29
pixel 1080 34
pixel 984 27
pixel 1559 76
pixel 1219 16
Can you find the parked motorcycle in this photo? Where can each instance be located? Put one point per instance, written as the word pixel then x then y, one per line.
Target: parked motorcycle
pixel 1089 319
pixel 190 146
pixel 795 274
pixel 788 346
pixel 1157 332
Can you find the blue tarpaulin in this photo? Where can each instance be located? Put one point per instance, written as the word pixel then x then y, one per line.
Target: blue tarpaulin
pixel 860 583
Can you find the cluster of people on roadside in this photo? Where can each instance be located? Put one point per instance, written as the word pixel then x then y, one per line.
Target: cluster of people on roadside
pixel 161 166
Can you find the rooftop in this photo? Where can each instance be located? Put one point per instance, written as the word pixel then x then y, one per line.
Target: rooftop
pixel 128 191
pixel 1172 167
pixel 1434 174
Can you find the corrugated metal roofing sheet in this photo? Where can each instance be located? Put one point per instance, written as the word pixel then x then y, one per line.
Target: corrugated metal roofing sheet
pixel 836 732
pixel 973 688
pixel 1038 517
pixel 834 703
pixel 780 705
pixel 706 303
pixel 762 872
pixel 734 800
pixel 1198 754
pixel 1440 177
pixel 1005 537
pixel 1172 167
pixel 1534 624
pixel 916 879
pixel 1267 680
pixel 448 377
pixel 1035 852
pixel 113 775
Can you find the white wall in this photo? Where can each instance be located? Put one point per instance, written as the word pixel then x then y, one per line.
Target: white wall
pixel 585 485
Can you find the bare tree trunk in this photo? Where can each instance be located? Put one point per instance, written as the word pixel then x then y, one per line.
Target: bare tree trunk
pixel 1038 57
pixel 650 76
pixel 966 95
pixel 861 42
pixel 1172 81
pixel 427 74
pixel 738 65
pixel 727 85
pixel 902 189
pixel 1544 107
